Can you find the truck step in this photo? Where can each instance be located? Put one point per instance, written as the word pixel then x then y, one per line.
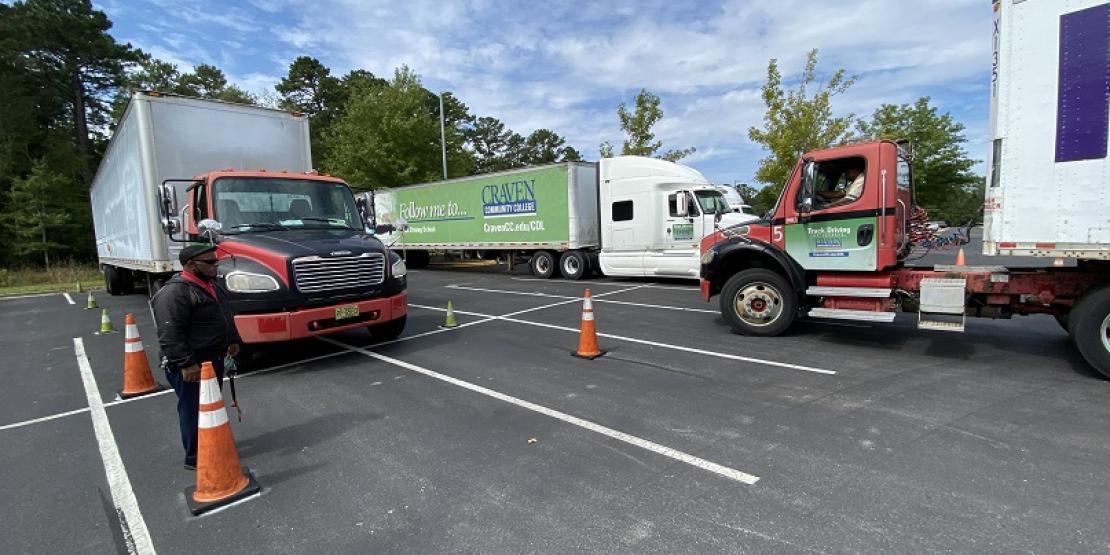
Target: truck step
pixel 951 268
pixel 870 292
pixel 939 325
pixel 845 314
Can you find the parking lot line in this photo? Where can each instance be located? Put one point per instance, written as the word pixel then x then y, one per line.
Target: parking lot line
pixel 730 473
pixel 68 298
pixel 135 533
pixel 509 318
pixel 595 297
pixel 43 419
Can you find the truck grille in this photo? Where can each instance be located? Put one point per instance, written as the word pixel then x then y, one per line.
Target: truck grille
pixel 313 274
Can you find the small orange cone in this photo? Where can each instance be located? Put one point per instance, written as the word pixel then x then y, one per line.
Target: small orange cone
pixel 960 260
pixel 587 337
pixel 137 379
pixel 220 479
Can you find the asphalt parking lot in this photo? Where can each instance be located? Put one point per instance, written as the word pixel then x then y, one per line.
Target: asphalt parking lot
pixel 490 437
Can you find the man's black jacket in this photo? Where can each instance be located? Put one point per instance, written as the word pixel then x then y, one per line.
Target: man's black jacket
pixel 193 327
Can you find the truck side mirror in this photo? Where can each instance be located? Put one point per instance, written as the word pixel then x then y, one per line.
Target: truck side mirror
pixel 680 204
pixel 169 201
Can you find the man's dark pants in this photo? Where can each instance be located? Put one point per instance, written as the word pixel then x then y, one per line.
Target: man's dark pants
pixel 188 405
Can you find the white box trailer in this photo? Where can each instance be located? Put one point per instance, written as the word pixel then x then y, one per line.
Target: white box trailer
pixel 623 216
pixel 164 137
pixel 1049 172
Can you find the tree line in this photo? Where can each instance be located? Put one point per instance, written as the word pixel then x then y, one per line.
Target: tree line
pixel 67 81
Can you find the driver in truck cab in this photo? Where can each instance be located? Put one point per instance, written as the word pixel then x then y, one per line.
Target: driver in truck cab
pixel 838 196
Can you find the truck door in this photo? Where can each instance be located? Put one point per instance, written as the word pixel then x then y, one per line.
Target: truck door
pixel 836 222
pixel 674 249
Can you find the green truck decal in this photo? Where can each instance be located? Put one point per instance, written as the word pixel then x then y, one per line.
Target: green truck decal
pixel 832 245
pixel 522 207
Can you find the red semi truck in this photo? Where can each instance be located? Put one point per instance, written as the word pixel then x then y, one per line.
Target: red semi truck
pixel 826 252
pixel 296 257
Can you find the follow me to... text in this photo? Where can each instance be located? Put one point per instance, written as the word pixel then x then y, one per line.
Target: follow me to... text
pixel 509 199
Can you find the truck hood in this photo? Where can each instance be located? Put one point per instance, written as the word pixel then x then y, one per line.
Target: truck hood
pixel 307 242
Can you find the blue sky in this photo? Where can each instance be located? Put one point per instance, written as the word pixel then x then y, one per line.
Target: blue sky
pixel 567 66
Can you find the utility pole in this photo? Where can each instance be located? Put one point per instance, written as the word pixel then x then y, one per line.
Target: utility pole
pixel 442 136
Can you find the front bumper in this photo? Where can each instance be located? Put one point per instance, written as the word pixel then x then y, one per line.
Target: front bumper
pixel 309 322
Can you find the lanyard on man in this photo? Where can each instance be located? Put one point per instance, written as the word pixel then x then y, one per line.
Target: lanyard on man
pixel 231 368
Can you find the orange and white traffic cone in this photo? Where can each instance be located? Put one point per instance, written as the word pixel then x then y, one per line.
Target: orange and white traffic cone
pixel 960 260
pixel 137 379
pixel 587 337
pixel 220 479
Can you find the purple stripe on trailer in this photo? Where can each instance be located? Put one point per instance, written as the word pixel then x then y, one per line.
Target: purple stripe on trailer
pixel 1082 111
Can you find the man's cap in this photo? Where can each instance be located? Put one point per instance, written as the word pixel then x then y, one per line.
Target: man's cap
pixel 192 251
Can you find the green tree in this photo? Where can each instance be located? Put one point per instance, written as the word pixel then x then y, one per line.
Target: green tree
pixel 388 138
pixel 943 181
pixel 42 213
pixel 796 122
pixel 309 88
pixel 637 125
pixel 544 146
pixel 208 81
pixel 67 45
pixel 488 138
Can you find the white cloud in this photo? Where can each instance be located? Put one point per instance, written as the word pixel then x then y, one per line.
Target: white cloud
pixel 566 66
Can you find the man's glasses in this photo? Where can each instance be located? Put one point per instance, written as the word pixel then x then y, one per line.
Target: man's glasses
pixel 208 261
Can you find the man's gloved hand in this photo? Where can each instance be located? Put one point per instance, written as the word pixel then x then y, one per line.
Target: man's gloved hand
pixel 233 349
pixel 191 373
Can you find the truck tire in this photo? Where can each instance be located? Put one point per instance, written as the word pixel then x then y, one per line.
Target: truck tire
pixel 542 264
pixel 117 281
pixel 574 265
pixel 758 302
pixel 389 330
pixel 417 259
pixel 154 284
pixel 1089 325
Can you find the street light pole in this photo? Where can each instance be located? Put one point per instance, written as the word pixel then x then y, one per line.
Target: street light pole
pixel 442 136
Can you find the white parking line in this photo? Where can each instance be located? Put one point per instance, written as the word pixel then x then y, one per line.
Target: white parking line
pixel 34 296
pixel 730 473
pixel 596 298
pixel 509 318
pixel 68 298
pixel 135 533
pixel 43 419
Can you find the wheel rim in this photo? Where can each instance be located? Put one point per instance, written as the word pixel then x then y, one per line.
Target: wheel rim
pixel 758 304
pixel 571 266
pixel 543 264
pixel 1104 332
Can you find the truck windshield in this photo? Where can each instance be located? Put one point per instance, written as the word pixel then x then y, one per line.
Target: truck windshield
pixel 710 201
pixel 253 204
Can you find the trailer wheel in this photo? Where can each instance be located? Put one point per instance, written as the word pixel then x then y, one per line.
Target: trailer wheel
pixel 758 302
pixel 389 330
pixel 574 265
pixel 117 281
pixel 542 264
pixel 1089 324
pixel 417 259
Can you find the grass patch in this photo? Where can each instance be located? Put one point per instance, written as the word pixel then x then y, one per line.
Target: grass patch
pixel 60 277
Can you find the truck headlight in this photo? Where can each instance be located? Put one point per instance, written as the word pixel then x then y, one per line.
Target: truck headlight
pixel 246 282
pixel 399 269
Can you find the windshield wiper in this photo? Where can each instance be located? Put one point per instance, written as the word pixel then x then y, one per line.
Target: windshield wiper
pixel 334 221
pixel 266 226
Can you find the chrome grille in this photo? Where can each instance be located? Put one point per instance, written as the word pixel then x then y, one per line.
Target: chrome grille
pixel 314 274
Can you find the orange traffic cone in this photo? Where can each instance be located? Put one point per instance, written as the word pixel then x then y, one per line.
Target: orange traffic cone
pixel 220 479
pixel 587 337
pixel 137 379
pixel 960 260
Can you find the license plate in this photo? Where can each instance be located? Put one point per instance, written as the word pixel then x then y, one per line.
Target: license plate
pixel 344 312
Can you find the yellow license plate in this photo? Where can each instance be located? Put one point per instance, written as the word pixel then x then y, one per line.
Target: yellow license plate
pixel 344 312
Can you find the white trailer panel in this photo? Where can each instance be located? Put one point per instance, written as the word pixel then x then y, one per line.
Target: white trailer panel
pixel 1049 173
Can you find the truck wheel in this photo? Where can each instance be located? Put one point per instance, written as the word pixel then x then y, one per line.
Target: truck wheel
pixel 389 330
pixel 417 259
pixel 1089 324
pixel 542 264
pixel 153 285
pixel 574 265
pixel 758 302
pixel 117 281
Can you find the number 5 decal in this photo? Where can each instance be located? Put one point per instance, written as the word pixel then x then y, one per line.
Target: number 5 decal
pixel 776 232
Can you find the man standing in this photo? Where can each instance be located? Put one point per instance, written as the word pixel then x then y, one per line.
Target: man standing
pixel 194 326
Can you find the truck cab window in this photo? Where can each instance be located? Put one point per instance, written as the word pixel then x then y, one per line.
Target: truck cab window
pixel 200 211
pixel 691 205
pixel 622 211
pixel 838 182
